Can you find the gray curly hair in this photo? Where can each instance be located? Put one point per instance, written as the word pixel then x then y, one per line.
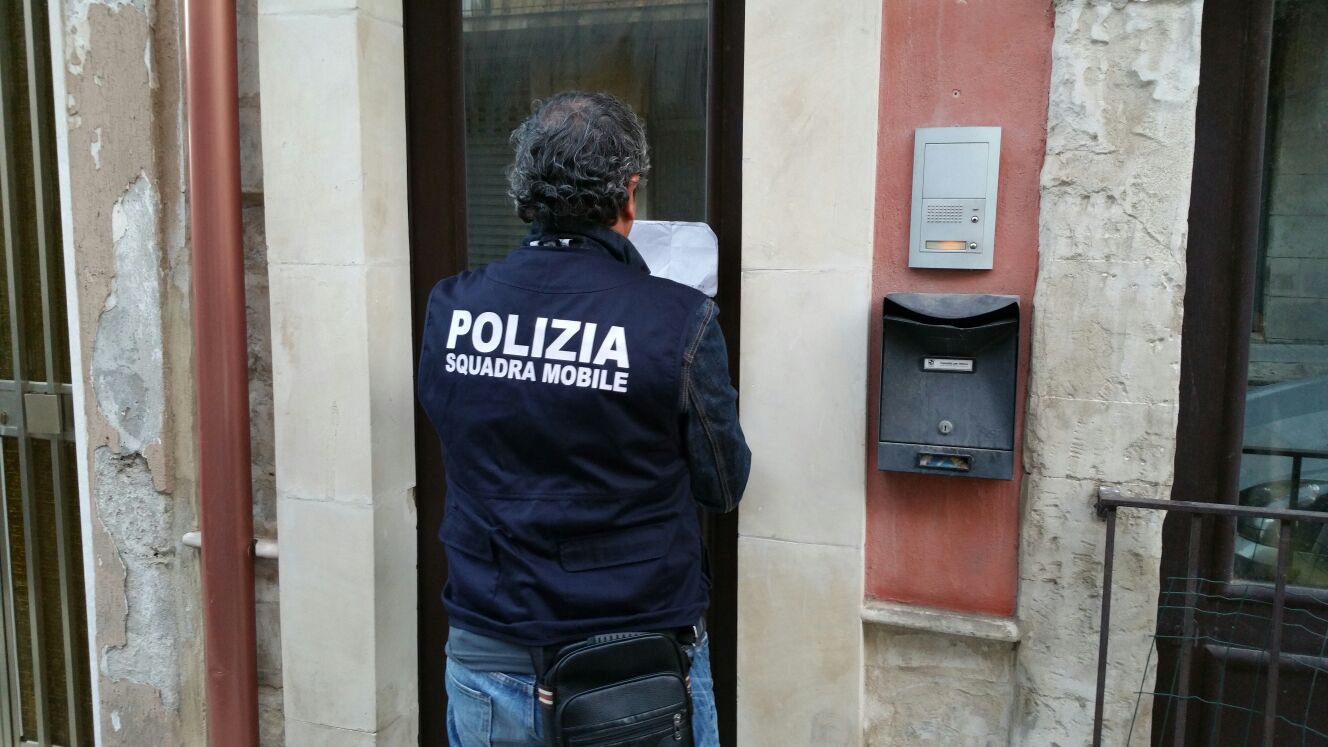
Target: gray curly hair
pixel 575 155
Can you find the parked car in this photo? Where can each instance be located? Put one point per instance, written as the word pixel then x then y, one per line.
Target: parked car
pixel 1290 418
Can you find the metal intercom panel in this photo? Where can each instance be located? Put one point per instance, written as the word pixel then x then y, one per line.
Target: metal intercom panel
pixel 955 173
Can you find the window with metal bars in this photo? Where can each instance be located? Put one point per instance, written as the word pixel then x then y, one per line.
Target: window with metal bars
pixel 45 695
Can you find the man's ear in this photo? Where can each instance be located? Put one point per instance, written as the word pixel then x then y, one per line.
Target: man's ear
pixel 629 210
pixel 628 215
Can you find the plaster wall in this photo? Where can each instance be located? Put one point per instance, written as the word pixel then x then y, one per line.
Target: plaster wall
pixel 122 188
pixel 942 552
pixel 948 65
pixel 809 139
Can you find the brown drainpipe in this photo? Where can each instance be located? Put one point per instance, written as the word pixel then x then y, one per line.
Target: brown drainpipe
pixel 221 373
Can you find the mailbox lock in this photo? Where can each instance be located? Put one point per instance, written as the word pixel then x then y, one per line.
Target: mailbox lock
pixel 973 245
pixel 945 427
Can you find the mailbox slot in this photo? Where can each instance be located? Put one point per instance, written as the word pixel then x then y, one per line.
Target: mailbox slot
pixel 949 365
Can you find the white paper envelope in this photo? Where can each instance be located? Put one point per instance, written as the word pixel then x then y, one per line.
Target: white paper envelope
pixel 684 252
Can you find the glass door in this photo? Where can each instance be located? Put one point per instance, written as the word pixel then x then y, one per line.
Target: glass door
pixel 473 69
pixel 1284 450
pixel 652 54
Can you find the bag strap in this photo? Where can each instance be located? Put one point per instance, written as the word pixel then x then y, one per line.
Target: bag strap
pixel 542 658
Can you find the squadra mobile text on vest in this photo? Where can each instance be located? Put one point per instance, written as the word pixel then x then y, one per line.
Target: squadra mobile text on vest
pixel 566 340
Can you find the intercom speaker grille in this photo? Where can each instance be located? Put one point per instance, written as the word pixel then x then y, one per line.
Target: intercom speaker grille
pixel 945 214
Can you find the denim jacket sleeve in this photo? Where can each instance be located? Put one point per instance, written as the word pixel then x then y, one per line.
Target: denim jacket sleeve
pixel 717 453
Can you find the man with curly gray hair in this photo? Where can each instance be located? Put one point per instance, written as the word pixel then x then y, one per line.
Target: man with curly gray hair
pixel 580 157
pixel 586 411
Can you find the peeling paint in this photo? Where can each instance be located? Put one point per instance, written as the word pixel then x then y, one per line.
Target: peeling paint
pixel 95 148
pixel 147 63
pixel 123 100
pixel 78 30
pixel 126 366
pixel 138 519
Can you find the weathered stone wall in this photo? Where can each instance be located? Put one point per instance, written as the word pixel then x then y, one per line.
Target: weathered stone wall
pixel 259 318
pixel 1106 351
pixel 126 191
pixel 929 688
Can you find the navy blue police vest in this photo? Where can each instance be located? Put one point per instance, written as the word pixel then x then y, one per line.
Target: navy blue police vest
pixel 553 379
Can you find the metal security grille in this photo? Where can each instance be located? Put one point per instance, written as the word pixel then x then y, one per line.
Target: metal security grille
pixel 1261 646
pixel 44 679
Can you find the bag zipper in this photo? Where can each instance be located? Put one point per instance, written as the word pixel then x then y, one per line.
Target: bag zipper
pixel 663 725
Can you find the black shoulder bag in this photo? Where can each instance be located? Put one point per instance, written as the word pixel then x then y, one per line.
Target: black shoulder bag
pixel 618 690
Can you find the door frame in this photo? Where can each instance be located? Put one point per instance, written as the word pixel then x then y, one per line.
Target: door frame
pixel 1225 232
pixel 435 172
pixel 435 176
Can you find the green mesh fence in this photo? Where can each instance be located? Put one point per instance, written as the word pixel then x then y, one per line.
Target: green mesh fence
pixel 1225 697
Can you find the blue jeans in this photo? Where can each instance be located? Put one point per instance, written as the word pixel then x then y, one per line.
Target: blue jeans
pixel 492 709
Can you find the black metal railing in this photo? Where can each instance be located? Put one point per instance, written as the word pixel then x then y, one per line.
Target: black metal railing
pixel 1297 457
pixel 1111 499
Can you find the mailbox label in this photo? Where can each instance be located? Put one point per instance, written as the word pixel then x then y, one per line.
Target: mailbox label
pixel 953 365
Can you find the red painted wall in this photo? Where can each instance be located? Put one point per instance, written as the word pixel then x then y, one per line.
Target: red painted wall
pixel 944 541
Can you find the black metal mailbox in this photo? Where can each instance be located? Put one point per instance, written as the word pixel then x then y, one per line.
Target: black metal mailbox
pixel 949 363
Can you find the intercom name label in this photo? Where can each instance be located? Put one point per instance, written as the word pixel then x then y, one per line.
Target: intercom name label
pixel 953 365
